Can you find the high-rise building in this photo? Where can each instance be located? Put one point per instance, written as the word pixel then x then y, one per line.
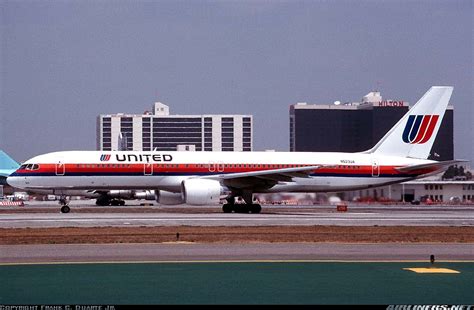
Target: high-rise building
pixel 164 132
pixel 357 126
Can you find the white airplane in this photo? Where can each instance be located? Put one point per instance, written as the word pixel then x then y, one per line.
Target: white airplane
pixel 202 178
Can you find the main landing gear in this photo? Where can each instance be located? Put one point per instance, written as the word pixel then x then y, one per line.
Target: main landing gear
pixel 248 207
pixel 106 201
pixel 64 204
pixel 241 208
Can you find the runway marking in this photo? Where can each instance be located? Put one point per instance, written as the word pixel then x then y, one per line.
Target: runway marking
pixel 300 219
pixel 432 270
pixel 234 261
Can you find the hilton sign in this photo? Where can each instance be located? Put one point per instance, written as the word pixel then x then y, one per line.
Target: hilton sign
pixel 391 103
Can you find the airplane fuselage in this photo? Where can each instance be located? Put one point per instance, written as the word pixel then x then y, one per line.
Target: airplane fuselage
pixel 60 172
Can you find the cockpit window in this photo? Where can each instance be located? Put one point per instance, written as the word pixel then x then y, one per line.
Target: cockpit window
pixel 22 167
pixel 30 167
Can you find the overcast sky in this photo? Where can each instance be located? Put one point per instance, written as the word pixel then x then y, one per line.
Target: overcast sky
pixel 65 62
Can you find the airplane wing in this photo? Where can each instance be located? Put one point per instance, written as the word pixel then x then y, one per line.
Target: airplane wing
pixel 431 166
pixel 263 178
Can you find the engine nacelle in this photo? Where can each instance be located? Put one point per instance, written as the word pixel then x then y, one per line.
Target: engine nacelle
pixel 147 195
pixel 201 191
pixel 168 198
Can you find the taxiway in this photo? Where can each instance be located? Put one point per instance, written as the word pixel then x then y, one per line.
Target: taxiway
pixel 204 252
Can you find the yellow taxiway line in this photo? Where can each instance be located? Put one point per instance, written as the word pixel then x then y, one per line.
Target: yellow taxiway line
pixel 432 270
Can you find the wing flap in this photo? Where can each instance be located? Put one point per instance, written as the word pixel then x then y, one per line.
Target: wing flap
pixel 273 178
pixel 274 173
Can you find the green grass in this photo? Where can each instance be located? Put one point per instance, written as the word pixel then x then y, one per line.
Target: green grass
pixel 234 283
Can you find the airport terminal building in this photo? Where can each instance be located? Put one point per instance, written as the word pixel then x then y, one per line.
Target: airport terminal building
pixel 432 188
pixel 162 131
pixel 357 126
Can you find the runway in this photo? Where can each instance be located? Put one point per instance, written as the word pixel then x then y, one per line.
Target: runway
pixel 205 252
pixel 267 272
pixel 270 217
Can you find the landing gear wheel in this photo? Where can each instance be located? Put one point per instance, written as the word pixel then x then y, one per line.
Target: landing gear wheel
pixel 255 208
pixel 102 201
pixel 243 208
pixel 65 209
pixel 227 208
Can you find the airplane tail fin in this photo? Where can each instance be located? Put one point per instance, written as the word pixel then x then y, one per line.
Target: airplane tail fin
pixel 6 162
pixel 414 135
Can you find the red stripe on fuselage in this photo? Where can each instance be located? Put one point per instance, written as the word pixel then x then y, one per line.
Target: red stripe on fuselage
pixel 118 169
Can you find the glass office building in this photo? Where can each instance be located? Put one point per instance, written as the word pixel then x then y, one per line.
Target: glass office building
pixel 161 131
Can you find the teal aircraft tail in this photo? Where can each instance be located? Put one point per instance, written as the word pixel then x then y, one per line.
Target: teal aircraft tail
pixel 7 164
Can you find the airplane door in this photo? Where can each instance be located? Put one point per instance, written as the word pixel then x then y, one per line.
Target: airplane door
pixel 212 167
pixel 220 167
pixel 60 168
pixel 148 169
pixel 375 168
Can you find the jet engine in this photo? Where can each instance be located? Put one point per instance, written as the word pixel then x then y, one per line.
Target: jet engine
pixel 168 198
pixel 201 191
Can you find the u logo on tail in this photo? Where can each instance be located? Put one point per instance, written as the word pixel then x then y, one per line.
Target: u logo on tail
pixel 419 128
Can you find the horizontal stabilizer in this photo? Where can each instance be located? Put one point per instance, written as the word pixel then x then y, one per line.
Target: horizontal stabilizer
pixel 6 162
pixel 7 165
pixel 440 165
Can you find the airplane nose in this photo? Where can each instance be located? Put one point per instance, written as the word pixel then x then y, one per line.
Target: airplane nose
pixel 14 182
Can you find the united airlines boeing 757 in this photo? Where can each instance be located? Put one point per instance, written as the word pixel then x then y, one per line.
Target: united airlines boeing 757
pixel 203 178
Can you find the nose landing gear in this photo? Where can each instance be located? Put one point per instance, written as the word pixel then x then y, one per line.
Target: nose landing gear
pixel 64 204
